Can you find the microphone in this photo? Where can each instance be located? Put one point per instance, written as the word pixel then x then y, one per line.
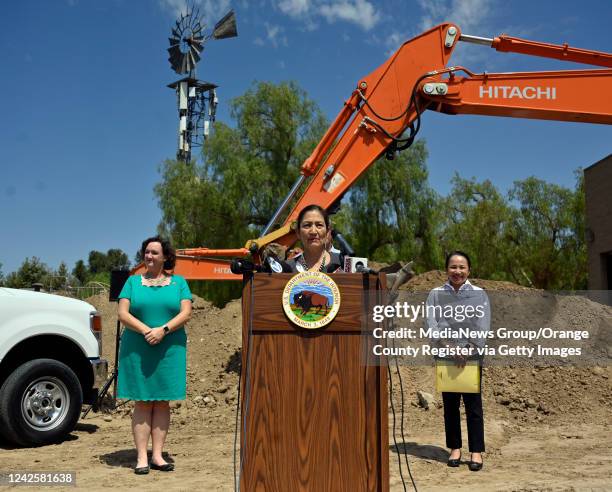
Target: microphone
pixel 360 268
pixel 332 267
pixel 285 268
pixel 274 265
pixel 240 266
pixel 345 248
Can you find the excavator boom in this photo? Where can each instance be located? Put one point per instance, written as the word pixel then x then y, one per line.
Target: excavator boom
pixel 383 113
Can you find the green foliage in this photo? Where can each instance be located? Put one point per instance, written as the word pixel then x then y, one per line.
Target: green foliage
pixel 80 272
pixel 1 276
pixel 59 279
pixel 392 211
pixel 105 262
pixel 533 236
pixel 102 277
pixel 99 266
pixel 475 219
pixel 246 172
pixel 575 244
pixel 548 232
pixel 31 271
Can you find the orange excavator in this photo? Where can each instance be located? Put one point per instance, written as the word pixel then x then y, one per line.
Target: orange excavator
pixel 383 116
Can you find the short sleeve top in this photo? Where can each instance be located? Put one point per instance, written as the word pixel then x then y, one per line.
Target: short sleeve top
pixel 155 305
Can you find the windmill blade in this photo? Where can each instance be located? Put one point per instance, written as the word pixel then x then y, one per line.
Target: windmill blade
pixel 185 65
pixel 192 59
pixel 175 63
pixel 195 57
pixel 196 45
pixel 226 27
pixel 175 51
pixel 188 33
pixel 175 58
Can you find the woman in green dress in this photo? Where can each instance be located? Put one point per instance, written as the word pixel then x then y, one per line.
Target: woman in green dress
pixel 152 355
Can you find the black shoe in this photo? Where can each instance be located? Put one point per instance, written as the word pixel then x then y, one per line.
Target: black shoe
pixel 475 466
pixel 166 467
pixel 454 462
pixel 142 470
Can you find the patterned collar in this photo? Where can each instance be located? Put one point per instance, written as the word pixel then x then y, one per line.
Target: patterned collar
pixel 300 263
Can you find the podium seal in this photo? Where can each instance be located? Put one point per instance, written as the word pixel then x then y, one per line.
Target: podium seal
pixel 311 300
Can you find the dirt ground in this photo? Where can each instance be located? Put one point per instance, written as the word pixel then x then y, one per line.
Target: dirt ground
pixel 546 428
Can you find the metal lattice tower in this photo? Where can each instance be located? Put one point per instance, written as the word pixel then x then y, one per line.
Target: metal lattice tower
pixel 196 99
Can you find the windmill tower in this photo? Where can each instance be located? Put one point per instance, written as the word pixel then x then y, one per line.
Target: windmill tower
pixel 196 99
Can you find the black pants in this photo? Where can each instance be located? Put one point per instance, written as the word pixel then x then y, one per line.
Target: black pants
pixel 475 421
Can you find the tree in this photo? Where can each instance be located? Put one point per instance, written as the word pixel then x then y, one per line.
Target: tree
pixel 548 231
pixel 116 259
pixel 246 171
pixel 31 271
pixel 476 219
pixel 80 272
pixel 391 213
pixel 1 276
pixel 59 279
pixel 105 262
pixel 97 262
pixel 576 248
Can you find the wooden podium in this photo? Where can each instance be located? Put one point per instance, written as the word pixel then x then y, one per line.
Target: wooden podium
pixel 314 415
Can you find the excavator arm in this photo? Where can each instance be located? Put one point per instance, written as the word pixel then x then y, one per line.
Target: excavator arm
pixel 383 114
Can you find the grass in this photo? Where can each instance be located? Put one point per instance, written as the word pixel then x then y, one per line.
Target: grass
pixel 311 315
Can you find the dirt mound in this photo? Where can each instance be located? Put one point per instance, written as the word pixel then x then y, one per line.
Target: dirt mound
pixel 435 278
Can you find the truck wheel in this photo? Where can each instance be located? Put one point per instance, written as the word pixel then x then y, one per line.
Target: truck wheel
pixel 40 402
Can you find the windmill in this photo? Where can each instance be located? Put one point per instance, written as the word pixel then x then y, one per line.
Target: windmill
pixel 196 99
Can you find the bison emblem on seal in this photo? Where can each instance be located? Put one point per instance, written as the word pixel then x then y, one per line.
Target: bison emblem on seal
pixel 307 300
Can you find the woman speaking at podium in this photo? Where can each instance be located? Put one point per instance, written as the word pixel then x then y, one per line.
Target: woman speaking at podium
pixel 462 297
pixel 313 230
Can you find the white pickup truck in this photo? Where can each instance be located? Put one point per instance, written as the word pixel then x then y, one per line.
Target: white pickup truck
pixel 50 348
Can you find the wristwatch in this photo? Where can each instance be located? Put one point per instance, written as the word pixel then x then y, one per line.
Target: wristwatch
pixel 166 329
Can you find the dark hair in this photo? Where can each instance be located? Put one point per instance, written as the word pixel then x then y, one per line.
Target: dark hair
pixel 457 253
pixel 167 250
pixel 311 208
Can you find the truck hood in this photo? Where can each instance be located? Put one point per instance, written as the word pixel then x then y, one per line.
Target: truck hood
pixel 43 300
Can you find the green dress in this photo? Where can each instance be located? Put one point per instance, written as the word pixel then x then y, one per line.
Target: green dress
pixel 153 372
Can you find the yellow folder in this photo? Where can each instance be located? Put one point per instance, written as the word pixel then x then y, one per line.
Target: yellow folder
pixel 453 379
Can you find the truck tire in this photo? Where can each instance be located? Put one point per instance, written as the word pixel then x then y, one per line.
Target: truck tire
pixel 40 403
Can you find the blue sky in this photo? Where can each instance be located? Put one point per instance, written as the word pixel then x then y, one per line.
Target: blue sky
pixel 87 118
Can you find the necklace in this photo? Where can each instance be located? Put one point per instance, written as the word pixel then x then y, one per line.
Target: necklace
pixel 155 281
pixel 305 265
